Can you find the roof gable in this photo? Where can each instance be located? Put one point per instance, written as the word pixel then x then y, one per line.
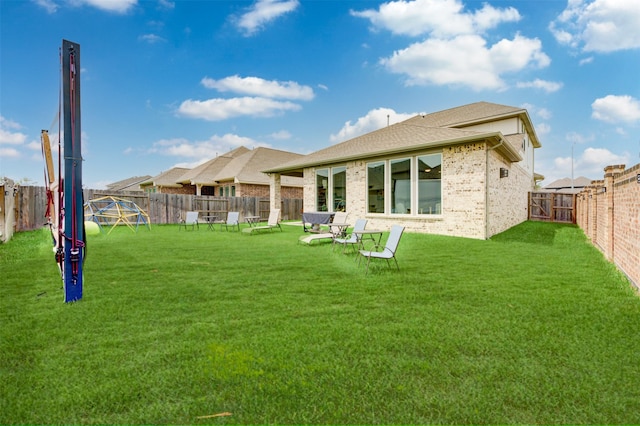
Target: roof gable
pixel 248 167
pixel 206 172
pixel 466 115
pixel 168 178
pixel 127 184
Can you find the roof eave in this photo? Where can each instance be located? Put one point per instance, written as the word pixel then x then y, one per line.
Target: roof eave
pixel 498 141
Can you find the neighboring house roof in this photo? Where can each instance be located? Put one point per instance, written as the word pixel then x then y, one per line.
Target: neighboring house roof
pixel 564 184
pixel 246 167
pixel 129 184
pixel 205 173
pixel 167 179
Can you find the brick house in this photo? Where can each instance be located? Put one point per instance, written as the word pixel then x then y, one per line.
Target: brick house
pixel 236 173
pixel 464 171
pixel 242 176
pixel 202 179
pixel 166 182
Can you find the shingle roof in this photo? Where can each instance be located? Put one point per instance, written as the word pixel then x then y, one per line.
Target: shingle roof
pixel 168 178
pixel 206 172
pixel 466 114
pixel 565 183
pixel 131 184
pixel 246 167
pixel 444 128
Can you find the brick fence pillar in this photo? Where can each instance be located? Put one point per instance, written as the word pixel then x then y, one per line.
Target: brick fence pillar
pixel 610 174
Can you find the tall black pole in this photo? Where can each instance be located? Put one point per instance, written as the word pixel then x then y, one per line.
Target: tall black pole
pixel 74 238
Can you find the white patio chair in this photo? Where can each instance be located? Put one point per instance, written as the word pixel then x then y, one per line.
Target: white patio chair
pixel 353 239
pixel 190 219
pixel 389 251
pixel 233 221
pixel 272 222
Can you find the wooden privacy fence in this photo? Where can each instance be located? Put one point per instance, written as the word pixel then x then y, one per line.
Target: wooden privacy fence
pixel 31 204
pixel 552 207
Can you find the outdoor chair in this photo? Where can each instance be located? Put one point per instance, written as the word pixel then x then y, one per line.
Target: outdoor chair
pixel 390 248
pixel 191 219
pixel 353 239
pixel 332 233
pixel 272 222
pixel 233 221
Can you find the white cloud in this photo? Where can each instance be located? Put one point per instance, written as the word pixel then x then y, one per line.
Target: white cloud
pixel 202 150
pixel 599 25
pixel 281 135
pixel 373 120
pixel 9 153
pixel 590 163
pixel 594 160
pixel 439 18
pixel 543 129
pixel 616 109
pixel 263 12
pixel 255 86
pixel 575 137
pixel 115 6
pixel 547 86
pixel 586 61
pixel 151 38
pixel 465 60
pixel 49 5
pixel 9 134
pixel 222 109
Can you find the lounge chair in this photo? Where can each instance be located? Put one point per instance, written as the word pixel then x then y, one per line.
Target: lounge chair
pixel 191 219
pixel 390 248
pixel 272 222
pixel 232 221
pixel 334 231
pixel 353 239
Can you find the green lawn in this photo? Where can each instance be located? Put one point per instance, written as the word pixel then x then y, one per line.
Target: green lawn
pixel 532 326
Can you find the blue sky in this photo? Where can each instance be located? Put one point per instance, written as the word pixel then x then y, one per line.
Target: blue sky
pixel 168 83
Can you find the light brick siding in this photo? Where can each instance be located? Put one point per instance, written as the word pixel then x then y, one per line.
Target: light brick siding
pixel 464 195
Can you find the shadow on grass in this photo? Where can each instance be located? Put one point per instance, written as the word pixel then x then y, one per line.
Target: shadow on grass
pixel 540 233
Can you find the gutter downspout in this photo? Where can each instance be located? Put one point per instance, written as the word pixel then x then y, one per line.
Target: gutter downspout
pixel 486 187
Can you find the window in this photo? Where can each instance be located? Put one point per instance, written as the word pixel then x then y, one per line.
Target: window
pixel 221 191
pixel 401 186
pixel 322 184
pixel 429 184
pixel 233 191
pixel 375 182
pixel 339 185
pixel 410 186
pixel 331 189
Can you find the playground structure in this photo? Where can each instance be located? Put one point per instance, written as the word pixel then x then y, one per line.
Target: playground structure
pixel 109 211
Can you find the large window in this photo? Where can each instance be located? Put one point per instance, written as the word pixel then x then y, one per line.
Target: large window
pixel 401 186
pixel 322 184
pixel 408 186
pixel 429 184
pixel 331 189
pixel 375 182
pixel 339 185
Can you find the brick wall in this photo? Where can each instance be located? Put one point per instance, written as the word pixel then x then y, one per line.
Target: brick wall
pixel 609 214
pixel 464 195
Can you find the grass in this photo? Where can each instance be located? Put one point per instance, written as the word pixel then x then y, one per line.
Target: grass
pixel 532 326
